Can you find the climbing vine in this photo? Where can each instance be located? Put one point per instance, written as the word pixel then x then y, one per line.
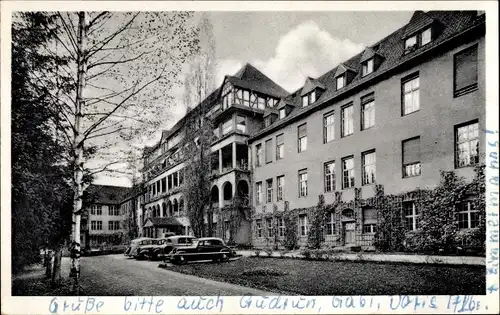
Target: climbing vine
pixel 290 219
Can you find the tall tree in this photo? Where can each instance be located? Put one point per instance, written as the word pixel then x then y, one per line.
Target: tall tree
pixel 119 80
pixel 198 86
pixel 41 196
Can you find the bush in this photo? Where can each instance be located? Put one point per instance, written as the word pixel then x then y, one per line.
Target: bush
pixel 257 252
pixel 306 253
pixel 283 252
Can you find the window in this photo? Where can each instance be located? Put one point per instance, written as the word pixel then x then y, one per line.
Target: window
pixel 269 191
pixel 113 225
pixel 303 224
pixel 281 227
pixel 369 162
pixel 270 230
pixel 269 151
pixel 164 184
pixel 410 42
pixel 258 223
pixel 465 71
pixel 246 98
pixel 261 103
pixel 330 176
pixel 367 111
pixel 169 178
pixel 347 121
pixel 302 135
pixel 328 127
pixel 411 215
pixel 369 228
pixel 367 67
pixel 426 36
pixel 280 184
pixel 303 183
pixel 227 127
pixel 280 147
pixel 305 101
pixel 282 113
pixel 369 220
pixel 411 95
pixel 347 172
pixel 467 144
pixel 467 215
pixel 95 208
pixel 175 178
pixel 411 157
pixel 214 229
pixel 96 225
pixel 330 224
pixel 113 210
pixel 258 195
pixel 258 155
pixel 241 124
pixel 340 80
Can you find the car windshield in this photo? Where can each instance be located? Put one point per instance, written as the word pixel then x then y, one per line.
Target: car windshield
pixel 195 241
pixel 161 242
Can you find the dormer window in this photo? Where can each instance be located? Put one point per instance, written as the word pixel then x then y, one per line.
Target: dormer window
pixel 340 81
pixel 308 98
pixel 282 113
pixel 367 67
pixel 267 121
pixel 419 39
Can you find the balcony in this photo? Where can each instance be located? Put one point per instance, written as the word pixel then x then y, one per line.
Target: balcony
pixel 231 157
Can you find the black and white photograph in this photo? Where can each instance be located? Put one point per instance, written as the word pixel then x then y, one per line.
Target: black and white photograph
pixel 203 152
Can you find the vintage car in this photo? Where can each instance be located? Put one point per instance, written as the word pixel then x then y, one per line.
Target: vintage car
pixel 136 244
pixel 164 246
pixel 205 248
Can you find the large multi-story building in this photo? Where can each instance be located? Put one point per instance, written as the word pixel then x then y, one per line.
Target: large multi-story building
pixel 392 117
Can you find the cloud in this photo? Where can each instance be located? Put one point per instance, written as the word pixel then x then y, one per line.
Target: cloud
pixel 307 50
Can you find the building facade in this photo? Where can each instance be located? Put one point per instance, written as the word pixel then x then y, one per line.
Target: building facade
pixel 386 121
pixel 105 216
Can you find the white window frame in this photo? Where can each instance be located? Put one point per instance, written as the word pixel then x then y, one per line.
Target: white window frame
pixel 258 195
pixel 367 67
pixel 329 127
pixel 413 216
pixel 468 211
pixel 280 184
pixel 342 81
pixel 258 224
pixel 347 120
pixel 348 173
pixel 413 84
pixel 269 190
pixel 368 168
pixel 367 112
pixel 330 223
pixel 329 175
pixel 303 183
pixel 282 113
pixel 269 227
pixel 470 142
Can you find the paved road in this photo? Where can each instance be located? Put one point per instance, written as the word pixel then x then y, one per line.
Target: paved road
pixel 119 275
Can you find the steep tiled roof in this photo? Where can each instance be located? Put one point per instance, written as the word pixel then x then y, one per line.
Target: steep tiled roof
pixel 106 194
pixel 392 48
pixel 284 102
pixel 251 78
pixel 343 67
pixel 268 111
pixel 418 21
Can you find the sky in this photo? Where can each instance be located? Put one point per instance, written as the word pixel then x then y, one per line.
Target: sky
pixel 287 47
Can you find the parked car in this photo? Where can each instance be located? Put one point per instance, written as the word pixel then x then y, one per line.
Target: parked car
pixel 206 248
pixel 165 246
pixel 133 250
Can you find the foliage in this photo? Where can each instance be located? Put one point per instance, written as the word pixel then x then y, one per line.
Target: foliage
pixel 290 220
pixel 41 196
pixel 264 271
pixel 315 236
pixel 438 230
pixel 257 252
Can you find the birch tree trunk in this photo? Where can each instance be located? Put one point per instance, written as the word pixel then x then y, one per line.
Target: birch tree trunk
pixel 78 150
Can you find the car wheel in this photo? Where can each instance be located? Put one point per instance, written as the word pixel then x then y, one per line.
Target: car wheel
pixel 224 256
pixel 181 259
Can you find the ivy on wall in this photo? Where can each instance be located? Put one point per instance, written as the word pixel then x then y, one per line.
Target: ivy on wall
pixel 290 218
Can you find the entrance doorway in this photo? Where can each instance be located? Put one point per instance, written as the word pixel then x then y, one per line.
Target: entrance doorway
pixel 349 230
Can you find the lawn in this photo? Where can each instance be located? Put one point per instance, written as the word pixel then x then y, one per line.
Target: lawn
pixel 303 277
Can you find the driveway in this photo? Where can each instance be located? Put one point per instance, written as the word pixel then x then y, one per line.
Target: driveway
pixel 119 275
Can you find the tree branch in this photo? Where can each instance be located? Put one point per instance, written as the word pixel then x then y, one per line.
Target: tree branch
pixel 90 66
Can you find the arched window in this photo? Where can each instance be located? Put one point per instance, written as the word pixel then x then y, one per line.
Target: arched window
pixel 227 189
pixel 347 214
pixel 176 207
pixel 181 206
pixel 164 208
